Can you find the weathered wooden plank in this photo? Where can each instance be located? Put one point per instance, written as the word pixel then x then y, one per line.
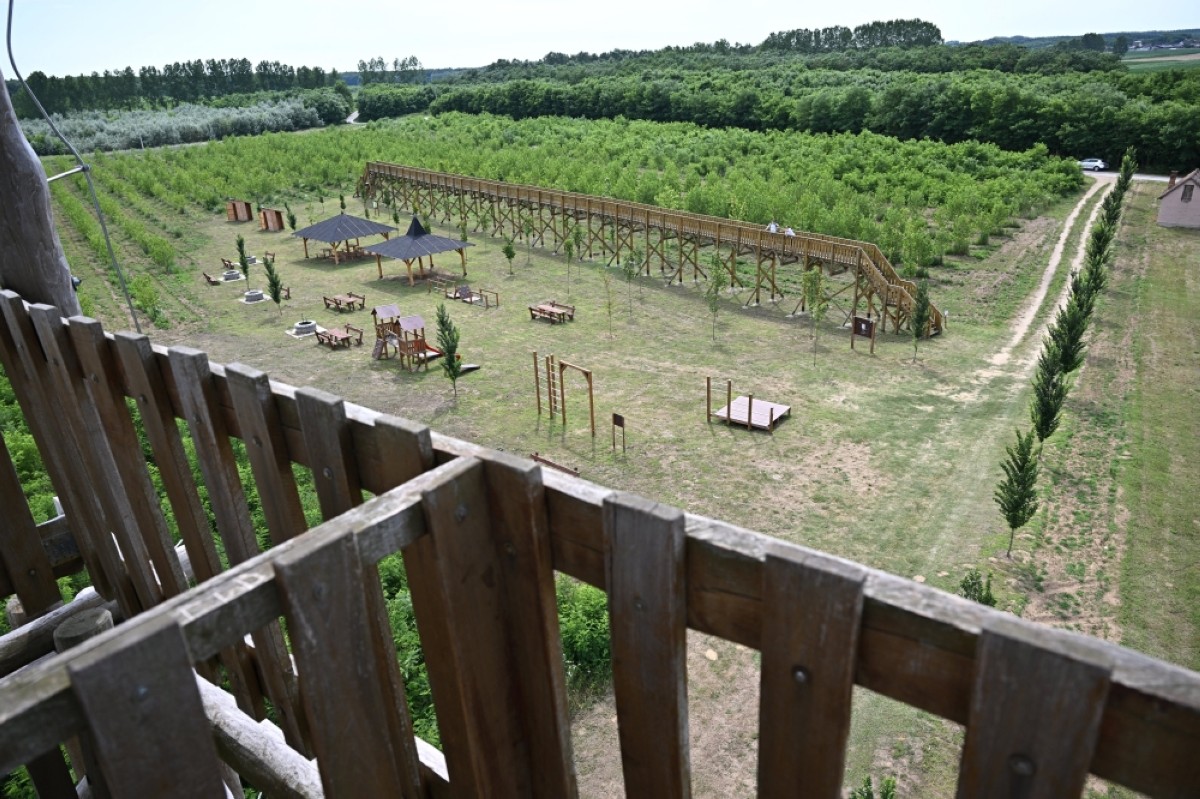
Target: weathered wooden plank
pixel 144 382
pixel 266 447
pixel 138 696
pixel 327 439
pixel 51 777
pixel 214 454
pixel 811 615
pixel 345 693
pixel 100 380
pixel 26 567
pixel 74 406
pixel 1035 714
pixel 454 581
pixel 24 364
pixel 520 545
pixel 648 622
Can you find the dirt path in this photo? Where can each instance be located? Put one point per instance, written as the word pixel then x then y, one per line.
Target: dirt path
pixel 1033 306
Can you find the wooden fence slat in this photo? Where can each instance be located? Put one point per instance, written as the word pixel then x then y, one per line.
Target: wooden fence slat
pixel 108 399
pixel 812 608
pixel 197 397
pixel 24 363
pixel 144 714
pixel 345 692
pixel 75 407
pixel 328 441
pixel 327 438
pixel 520 542
pixel 457 589
pixel 267 449
pixel 647 611
pixel 51 777
pixel 23 560
pixel 144 382
pixel 1035 714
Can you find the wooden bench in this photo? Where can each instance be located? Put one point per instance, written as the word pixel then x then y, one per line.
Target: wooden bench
pixel 268 257
pixel 212 281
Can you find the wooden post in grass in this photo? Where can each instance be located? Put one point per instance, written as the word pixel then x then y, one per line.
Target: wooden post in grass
pixel 537 382
pixel 708 397
pixel 728 402
pixel 749 411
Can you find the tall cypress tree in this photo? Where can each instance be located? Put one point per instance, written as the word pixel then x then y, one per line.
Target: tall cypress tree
pixel 1016 494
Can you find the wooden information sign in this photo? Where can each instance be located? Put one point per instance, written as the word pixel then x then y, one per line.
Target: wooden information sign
pixel 865 327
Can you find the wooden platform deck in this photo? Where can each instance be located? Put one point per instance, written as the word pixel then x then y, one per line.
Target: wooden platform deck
pixel 765 414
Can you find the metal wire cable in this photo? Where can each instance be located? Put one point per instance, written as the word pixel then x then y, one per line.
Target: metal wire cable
pixel 82 166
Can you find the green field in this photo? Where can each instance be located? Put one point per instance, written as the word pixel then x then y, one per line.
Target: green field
pixel 885 459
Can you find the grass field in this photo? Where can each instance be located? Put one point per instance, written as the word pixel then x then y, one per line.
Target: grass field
pixel 884 459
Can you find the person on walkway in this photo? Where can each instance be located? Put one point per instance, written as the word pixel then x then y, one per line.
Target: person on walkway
pixel 773 227
pixel 788 231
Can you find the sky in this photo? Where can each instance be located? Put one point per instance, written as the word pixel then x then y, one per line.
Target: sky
pixel 61 37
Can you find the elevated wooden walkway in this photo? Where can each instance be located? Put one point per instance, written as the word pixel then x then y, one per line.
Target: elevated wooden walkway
pixel 614 228
pixel 482 534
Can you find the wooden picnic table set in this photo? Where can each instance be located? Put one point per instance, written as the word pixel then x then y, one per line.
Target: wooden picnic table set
pixel 345 302
pixel 340 338
pixel 552 311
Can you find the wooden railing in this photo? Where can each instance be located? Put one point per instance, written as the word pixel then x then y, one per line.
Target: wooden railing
pixel 718 231
pixel 482 534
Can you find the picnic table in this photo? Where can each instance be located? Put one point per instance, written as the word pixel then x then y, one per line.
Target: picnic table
pixel 552 311
pixel 340 338
pixel 345 302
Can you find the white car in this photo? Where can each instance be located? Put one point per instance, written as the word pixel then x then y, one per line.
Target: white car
pixel 1094 164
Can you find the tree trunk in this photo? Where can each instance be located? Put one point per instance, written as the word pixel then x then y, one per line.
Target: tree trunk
pixel 31 257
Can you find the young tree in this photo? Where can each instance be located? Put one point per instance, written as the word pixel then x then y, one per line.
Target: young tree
pixel 447 339
pixel 1016 494
pixel 527 232
pixel 1067 334
pixel 341 202
pixel 274 285
pixel 509 253
pixel 920 316
pixel 887 789
pixel 608 299
pixel 577 236
pixel 974 588
pixel 569 251
pixel 717 281
pixel 629 268
pixel 243 260
pixel 291 217
pixel 1050 387
pixel 813 287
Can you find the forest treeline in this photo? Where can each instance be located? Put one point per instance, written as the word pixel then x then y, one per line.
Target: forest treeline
pixel 893 78
pixel 1073 114
pixel 151 87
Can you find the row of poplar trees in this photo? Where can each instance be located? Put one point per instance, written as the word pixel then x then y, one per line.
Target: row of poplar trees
pixel 1062 354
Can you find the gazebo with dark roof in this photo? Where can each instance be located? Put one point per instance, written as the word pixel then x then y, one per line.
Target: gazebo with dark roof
pixel 339 230
pixel 414 246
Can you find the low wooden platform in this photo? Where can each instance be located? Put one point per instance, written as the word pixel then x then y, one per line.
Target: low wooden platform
pixel 765 414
